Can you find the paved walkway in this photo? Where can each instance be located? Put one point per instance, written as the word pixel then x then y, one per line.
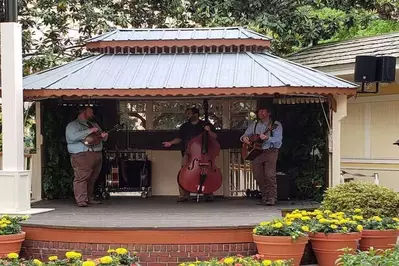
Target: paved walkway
pixel 160 212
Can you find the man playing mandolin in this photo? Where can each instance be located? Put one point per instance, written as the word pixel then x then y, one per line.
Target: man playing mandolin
pixel 86 159
pixel 264 165
pixel 192 128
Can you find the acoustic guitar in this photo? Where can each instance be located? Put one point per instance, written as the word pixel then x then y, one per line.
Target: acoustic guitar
pixel 254 149
pixel 95 138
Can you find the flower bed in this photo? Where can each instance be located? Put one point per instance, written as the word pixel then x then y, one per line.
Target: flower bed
pixel 257 260
pixel 119 256
pixel 372 257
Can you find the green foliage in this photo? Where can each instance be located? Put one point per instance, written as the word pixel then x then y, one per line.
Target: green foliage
pixel 372 257
pixel 58 173
pixel 378 223
pixel 256 260
pixel 10 225
pixel 374 200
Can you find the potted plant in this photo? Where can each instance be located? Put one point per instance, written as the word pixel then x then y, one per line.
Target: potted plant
pixel 330 233
pixel 379 233
pixel 11 234
pixel 283 239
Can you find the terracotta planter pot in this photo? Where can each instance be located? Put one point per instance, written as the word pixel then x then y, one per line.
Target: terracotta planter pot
pixel 281 247
pixel 378 239
pixel 327 247
pixel 11 243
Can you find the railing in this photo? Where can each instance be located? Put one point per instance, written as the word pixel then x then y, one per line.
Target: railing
pixel 30 163
pixel 347 177
pixel 240 175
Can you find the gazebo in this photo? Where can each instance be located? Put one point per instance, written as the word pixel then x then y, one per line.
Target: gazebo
pixel 144 70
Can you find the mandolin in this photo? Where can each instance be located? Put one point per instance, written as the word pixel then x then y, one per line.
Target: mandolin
pixel 254 149
pixel 95 138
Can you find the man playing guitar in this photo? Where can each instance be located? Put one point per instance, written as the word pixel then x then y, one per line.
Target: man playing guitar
pixel 192 128
pixel 86 160
pixel 264 166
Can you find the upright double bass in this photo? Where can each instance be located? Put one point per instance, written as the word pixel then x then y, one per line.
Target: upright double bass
pixel 201 175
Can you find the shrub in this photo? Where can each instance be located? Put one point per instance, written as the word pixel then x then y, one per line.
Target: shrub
pixel 10 225
pixel 374 200
pixel 257 260
pixel 371 257
pixel 117 257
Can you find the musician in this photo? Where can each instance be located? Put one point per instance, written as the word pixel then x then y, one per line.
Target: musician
pixel 189 130
pixel 264 166
pixel 86 162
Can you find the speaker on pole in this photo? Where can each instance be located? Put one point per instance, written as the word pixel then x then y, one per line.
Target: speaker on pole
pixel 365 68
pixel 386 69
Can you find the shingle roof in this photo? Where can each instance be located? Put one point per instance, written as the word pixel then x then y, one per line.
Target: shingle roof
pixel 179 71
pixel 345 52
pixel 179 34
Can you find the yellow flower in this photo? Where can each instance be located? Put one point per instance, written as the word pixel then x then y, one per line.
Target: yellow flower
pixel 254 231
pixel 89 263
pixel 323 221
pixel 305 228
pixel 3 226
pixel 111 250
pixel 121 251
pixel 279 262
pixel 333 226
pixel 52 258
pixel 191 264
pixel 396 219
pixel 264 223
pixel 358 210
pixel 345 228
pixel 37 262
pixel 266 262
pixel 106 260
pixel 357 217
pixel 12 256
pixel 359 227
pixel 277 225
pixel 228 260
pixel 288 223
pixel 73 255
pixel 327 211
pixel 377 218
pixel 319 216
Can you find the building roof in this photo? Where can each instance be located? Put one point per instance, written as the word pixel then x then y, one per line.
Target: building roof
pixel 179 34
pixel 182 74
pixel 345 52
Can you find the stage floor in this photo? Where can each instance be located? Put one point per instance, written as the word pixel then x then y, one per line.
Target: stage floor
pixel 159 212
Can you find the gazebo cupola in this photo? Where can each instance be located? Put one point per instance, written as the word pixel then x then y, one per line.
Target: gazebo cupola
pixel 170 41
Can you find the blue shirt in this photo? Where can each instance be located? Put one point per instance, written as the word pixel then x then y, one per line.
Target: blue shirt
pixel 76 131
pixel 274 141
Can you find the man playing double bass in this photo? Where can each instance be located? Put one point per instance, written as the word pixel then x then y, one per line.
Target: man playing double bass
pixel 86 161
pixel 264 166
pixel 192 128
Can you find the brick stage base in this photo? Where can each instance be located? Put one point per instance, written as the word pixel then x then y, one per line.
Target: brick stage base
pixel 150 255
pixel 154 247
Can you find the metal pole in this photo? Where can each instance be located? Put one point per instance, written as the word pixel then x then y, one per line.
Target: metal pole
pixel 11 8
pixel 376 178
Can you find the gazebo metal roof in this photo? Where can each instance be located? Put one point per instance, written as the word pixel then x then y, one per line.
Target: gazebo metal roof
pixel 179 34
pixel 193 72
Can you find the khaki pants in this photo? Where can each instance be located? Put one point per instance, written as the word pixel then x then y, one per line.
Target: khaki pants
pixel 87 168
pixel 264 168
pixel 184 193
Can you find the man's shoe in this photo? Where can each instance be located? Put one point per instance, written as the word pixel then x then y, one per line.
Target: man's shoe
pixel 84 204
pixel 270 202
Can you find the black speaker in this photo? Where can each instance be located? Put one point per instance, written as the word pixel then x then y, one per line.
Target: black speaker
pixel 365 68
pixel 386 69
